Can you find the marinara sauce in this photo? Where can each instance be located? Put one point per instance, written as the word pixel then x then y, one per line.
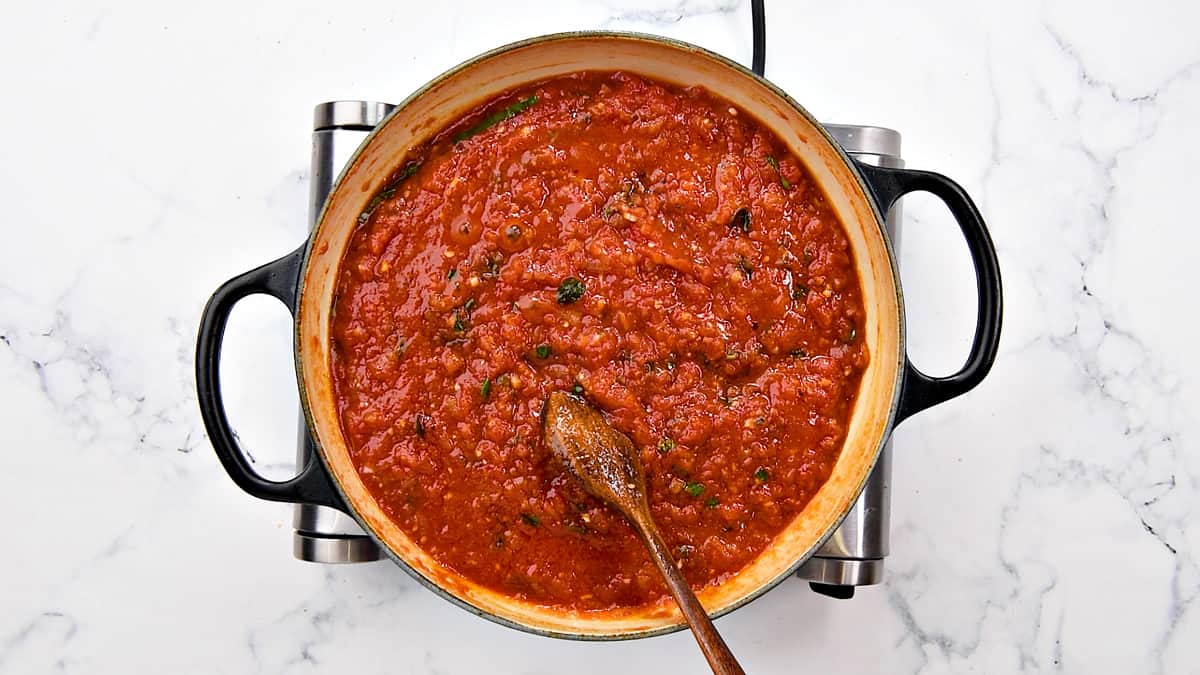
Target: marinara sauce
pixel 647 246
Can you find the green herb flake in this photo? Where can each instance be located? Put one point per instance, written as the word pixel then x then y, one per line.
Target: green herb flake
pixel 799 352
pixel 389 190
pixel 578 389
pixel 783 182
pixel 731 355
pixel 531 520
pixel 711 502
pixel 569 291
pixel 762 475
pixel 486 388
pixel 419 425
pixel 851 335
pixel 694 489
pixel 469 305
pixel 666 445
pixel 459 326
pixel 799 291
pixel 409 169
pixel 542 351
pixel 741 220
pixel 506 113
pixel 671 365
pixel 452 273
pixel 745 267
pixel 808 256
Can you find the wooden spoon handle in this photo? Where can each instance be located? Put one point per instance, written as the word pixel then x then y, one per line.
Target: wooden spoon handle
pixel 720 658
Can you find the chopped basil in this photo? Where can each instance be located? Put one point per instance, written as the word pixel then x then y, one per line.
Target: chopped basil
pixel 666 445
pixel 542 351
pixel 389 190
pixel 452 273
pixel 783 182
pixel 419 425
pixel 469 305
pixel 799 352
pixel 374 203
pixel 741 220
pixel 851 335
pixel 762 475
pixel 694 489
pixel 578 389
pixel 799 291
pixel 569 291
pixel 459 326
pixel 408 170
pixel 506 113
pixel 745 267
pixel 531 520
pixel 486 388
pixel 712 502
pixel 731 355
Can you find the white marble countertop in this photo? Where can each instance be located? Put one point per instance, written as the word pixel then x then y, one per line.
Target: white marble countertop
pixel 1047 521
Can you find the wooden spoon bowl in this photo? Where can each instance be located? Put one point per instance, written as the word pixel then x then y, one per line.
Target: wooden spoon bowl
pixel 610 468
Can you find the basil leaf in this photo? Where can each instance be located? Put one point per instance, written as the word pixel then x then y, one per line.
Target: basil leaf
pixel 740 220
pixel 569 291
pixel 497 117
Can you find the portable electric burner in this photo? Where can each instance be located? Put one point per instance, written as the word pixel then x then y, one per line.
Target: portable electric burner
pixel 853 556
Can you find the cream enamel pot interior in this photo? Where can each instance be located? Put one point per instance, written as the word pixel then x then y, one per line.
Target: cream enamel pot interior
pixel 891 388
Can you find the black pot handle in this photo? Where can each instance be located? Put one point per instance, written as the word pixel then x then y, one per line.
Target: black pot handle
pixel 919 390
pixel 279 279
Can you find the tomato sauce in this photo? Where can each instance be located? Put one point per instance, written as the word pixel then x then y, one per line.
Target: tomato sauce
pixel 648 246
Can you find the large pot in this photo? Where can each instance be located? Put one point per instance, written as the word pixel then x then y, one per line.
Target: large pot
pixel 891 388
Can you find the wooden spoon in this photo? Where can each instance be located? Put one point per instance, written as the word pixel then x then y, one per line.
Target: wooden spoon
pixel 608 465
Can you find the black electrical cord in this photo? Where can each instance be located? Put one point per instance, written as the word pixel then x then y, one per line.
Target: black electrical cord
pixel 759 61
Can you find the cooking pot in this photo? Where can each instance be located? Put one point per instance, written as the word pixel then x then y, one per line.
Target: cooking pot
pixel 891 388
